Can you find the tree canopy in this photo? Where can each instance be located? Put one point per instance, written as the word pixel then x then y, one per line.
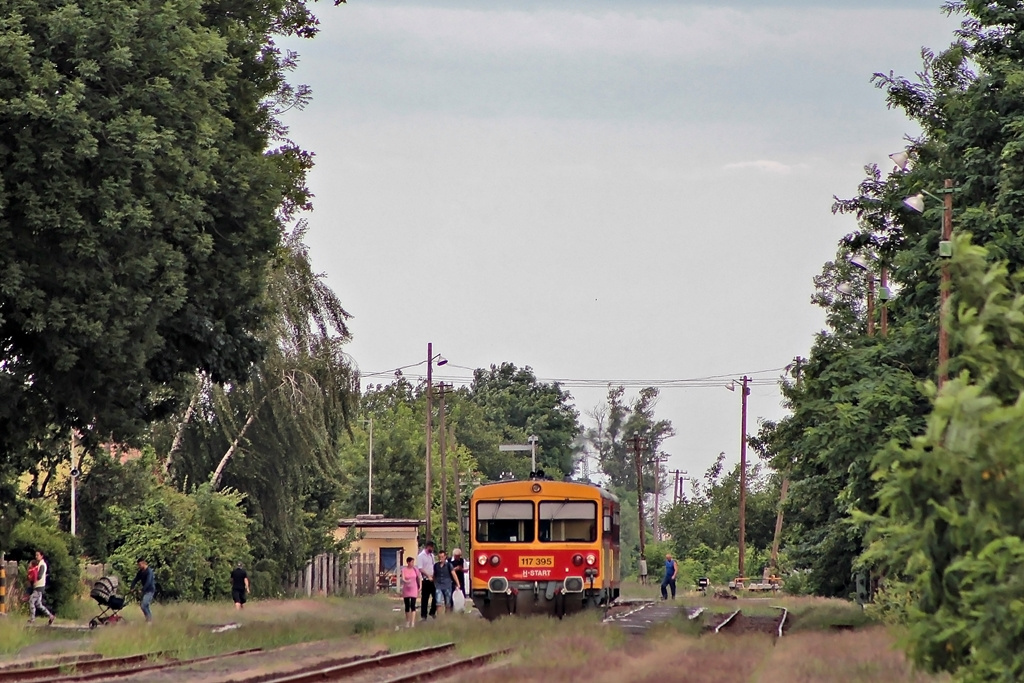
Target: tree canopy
pixel 143 182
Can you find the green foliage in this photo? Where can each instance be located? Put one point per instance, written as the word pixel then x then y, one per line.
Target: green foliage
pixel 515 403
pixel 709 516
pixel 298 401
pixel 950 516
pixel 192 541
pixel 104 485
pixel 27 537
pixel 139 205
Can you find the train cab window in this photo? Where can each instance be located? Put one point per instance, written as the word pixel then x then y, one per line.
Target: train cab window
pixel 504 521
pixel 568 521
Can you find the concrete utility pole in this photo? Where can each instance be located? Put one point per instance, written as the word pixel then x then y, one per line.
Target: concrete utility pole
pixel 532 440
pixel 458 491
pixel 430 436
pixel 638 445
pixel 798 370
pixel 369 484
pixel 442 433
pixel 657 494
pixel 743 476
pixel 947 236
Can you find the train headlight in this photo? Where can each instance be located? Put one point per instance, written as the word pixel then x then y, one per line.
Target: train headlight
pixel 481 560
pixel 495 560
pixel 577 560
pixel 591 559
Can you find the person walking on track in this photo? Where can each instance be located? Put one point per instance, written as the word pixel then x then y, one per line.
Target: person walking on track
pixel 239 585
pixel 671 570
pixel 145 577
pixel 410 580
pixel 425 563
pixel 35 600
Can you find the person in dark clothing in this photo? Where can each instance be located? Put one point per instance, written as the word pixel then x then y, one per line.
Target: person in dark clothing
pixel 445 581
pixel 148 582
pixel 239 585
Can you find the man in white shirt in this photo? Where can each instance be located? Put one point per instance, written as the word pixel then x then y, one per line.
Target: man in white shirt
pixel 425 563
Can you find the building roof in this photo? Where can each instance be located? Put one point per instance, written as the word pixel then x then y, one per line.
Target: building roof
pixel 378 521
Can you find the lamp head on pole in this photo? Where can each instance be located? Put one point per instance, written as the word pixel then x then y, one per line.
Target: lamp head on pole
pixel 844 288
pixel 859 261
pixel 901 159
pixel 916 202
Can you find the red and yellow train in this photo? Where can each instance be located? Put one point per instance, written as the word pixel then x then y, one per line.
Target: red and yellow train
pixel 543 547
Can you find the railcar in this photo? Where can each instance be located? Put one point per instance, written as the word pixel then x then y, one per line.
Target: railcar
pixel 543 547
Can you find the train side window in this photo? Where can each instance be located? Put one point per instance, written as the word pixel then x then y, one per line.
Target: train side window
pixel 607 524
pixel 504 521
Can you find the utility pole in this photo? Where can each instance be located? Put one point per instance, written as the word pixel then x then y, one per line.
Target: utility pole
pixel 369 485
pixel 74 483
pixel 657 495
pixel 532 440
pixel 430 436
pixel 638 444
pixel 947 235
pixel 458 492
pixel 442 433
pixel 743 475
pixel 798 369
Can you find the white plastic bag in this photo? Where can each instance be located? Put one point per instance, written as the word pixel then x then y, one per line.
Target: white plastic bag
pixel 458 601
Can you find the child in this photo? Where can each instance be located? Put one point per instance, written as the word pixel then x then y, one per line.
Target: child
pixel 31 578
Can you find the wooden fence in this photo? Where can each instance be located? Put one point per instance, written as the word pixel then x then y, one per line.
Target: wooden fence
pixel 329 574
pixel 13 590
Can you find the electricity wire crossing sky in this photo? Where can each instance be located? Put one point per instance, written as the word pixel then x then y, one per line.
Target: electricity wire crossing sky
pixel 609 193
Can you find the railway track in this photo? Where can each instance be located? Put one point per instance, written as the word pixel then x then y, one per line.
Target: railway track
pixel 403 667
pixel 737 622
pixel 92 668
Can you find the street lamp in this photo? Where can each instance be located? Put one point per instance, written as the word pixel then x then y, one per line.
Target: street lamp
pixel 916 203
pixel 532 440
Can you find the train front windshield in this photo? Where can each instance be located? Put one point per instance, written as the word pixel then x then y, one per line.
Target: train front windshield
pixel 504 521
pixel 568 521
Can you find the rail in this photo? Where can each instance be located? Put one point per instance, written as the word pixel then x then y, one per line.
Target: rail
pixel 727 621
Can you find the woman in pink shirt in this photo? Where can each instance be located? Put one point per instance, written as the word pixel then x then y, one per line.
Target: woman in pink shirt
pixel 410 581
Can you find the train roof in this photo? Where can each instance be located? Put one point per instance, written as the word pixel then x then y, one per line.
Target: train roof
pixel 520 487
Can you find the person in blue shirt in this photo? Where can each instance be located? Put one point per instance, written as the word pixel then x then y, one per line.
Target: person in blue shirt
pixel 671 570
pixel 148 582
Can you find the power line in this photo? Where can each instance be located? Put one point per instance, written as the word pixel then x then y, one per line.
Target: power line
pixel 706 381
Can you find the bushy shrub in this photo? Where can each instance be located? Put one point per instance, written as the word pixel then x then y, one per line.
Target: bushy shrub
pixel 64 573
pixel 192 541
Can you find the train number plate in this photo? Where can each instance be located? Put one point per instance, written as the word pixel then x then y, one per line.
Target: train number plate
pixel 535 561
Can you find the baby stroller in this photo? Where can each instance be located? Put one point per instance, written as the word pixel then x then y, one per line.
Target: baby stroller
pixel 104 592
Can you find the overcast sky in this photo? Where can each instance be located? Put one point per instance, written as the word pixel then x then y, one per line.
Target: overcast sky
pixel 602 191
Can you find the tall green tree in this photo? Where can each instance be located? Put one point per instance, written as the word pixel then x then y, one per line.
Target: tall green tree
pixel 516 403
pixel 276 438
pixel 861 393
pixel 144 178
pixel 951 517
